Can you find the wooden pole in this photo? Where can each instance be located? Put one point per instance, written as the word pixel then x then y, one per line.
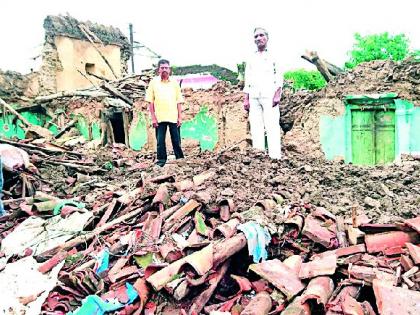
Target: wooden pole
pixel 84 29
pixel 328 70
pixel 130 26
pixel 126 124
pixel 67 127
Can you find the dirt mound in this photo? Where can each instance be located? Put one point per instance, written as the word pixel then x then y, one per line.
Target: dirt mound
pixel 375 77
pixel 384 192
pixel 303 109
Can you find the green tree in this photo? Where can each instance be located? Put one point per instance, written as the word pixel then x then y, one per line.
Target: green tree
pixel 377 47
pixel 305 80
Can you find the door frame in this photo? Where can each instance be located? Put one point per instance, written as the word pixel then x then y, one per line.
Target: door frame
pixel 365 102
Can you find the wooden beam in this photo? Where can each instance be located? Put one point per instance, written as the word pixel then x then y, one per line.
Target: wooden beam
pixel 327 69
pixel 40 131
pixel 85 30
pixel 108 87
pixel 67 127
pixel 82 93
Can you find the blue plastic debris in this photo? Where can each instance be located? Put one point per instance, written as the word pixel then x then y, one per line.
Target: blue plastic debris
pixel 183 200
pixel 258 238
pixel 102 261
pixel 94 305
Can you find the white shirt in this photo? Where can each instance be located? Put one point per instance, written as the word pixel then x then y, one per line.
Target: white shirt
pixel 262 75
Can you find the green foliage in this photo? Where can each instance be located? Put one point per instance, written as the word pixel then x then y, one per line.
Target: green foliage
pixel 241 70
pixel 377 47
pixel 305 80
pixel 415 55
pixel 220 73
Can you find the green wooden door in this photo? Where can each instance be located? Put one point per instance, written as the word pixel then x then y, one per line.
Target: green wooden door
pixel 363 137
pixel 373 136
pixel 385 136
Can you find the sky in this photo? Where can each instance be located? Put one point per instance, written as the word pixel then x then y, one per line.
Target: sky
pixel 214 32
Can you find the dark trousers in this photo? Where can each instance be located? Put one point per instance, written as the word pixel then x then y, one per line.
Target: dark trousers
pixel 161 144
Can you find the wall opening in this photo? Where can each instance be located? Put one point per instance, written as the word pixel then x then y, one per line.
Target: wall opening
pixel 90 68
pixel 117 123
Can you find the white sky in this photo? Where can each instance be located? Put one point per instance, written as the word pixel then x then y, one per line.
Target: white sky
pixel 217 31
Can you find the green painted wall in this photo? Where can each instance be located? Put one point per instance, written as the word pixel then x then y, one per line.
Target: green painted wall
pixel 137 134
pixel 332 133
pixel 9 127
pixel 415 132
pixel 335 132
pixel 85 127
pixel 203 127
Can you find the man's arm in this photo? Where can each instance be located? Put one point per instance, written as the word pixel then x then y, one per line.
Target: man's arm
pixel 277 96
pixel 153 114
pixel 246 102
pixel 179 101
pixel 179 121
pixel 247 79
pixel 278 82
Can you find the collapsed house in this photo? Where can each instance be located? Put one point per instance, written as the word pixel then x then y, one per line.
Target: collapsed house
pixel 368 116
pixel 82 84
pixel 78 55
pixel 231 232
pixel 78 91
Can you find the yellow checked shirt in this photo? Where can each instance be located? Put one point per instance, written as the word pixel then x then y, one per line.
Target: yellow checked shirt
pixel 165 95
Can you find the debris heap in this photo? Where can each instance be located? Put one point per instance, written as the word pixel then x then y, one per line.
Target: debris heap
pixel 191 238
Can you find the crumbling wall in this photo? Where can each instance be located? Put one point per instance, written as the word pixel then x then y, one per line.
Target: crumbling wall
pixel 51 64
pixel 223 102
pixel 304 109
pixel 16 87
pixel 67 51
pixel 80 56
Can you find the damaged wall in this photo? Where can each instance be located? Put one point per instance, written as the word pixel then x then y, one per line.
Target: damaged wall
pixel 78 55
pixel 16 87
pixel 310 113
pixel 211 119
pixel 67 51
pixel 336 132
pixel 10 127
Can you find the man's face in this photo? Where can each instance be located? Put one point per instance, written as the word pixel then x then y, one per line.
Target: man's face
pixel 260 39
pixel 164 70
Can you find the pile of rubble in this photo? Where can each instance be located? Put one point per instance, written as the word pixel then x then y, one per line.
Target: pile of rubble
pixel 375 77
pixel 219 233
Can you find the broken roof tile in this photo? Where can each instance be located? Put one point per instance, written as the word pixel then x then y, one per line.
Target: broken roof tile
pixel 368 274
pixel 392 300
pixel 281 276
pixel 260 304
pixel 414 223
pixel 201 261
pixel 319 290
pixel 319 267
pixel 414 252
pixel 314 230
pixel 381 241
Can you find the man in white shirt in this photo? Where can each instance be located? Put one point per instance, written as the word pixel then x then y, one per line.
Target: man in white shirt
pixel 263 87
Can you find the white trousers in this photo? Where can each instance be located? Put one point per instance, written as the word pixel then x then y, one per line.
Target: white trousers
pixel 264 117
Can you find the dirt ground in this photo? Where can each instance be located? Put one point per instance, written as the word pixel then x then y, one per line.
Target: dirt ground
pixel 385 193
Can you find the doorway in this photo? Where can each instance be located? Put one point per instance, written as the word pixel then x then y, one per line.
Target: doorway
pixel 373 135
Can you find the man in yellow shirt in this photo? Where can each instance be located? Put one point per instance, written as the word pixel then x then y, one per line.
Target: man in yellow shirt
pixel 165 98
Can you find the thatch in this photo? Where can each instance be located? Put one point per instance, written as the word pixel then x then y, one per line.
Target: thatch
pixel 68 26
